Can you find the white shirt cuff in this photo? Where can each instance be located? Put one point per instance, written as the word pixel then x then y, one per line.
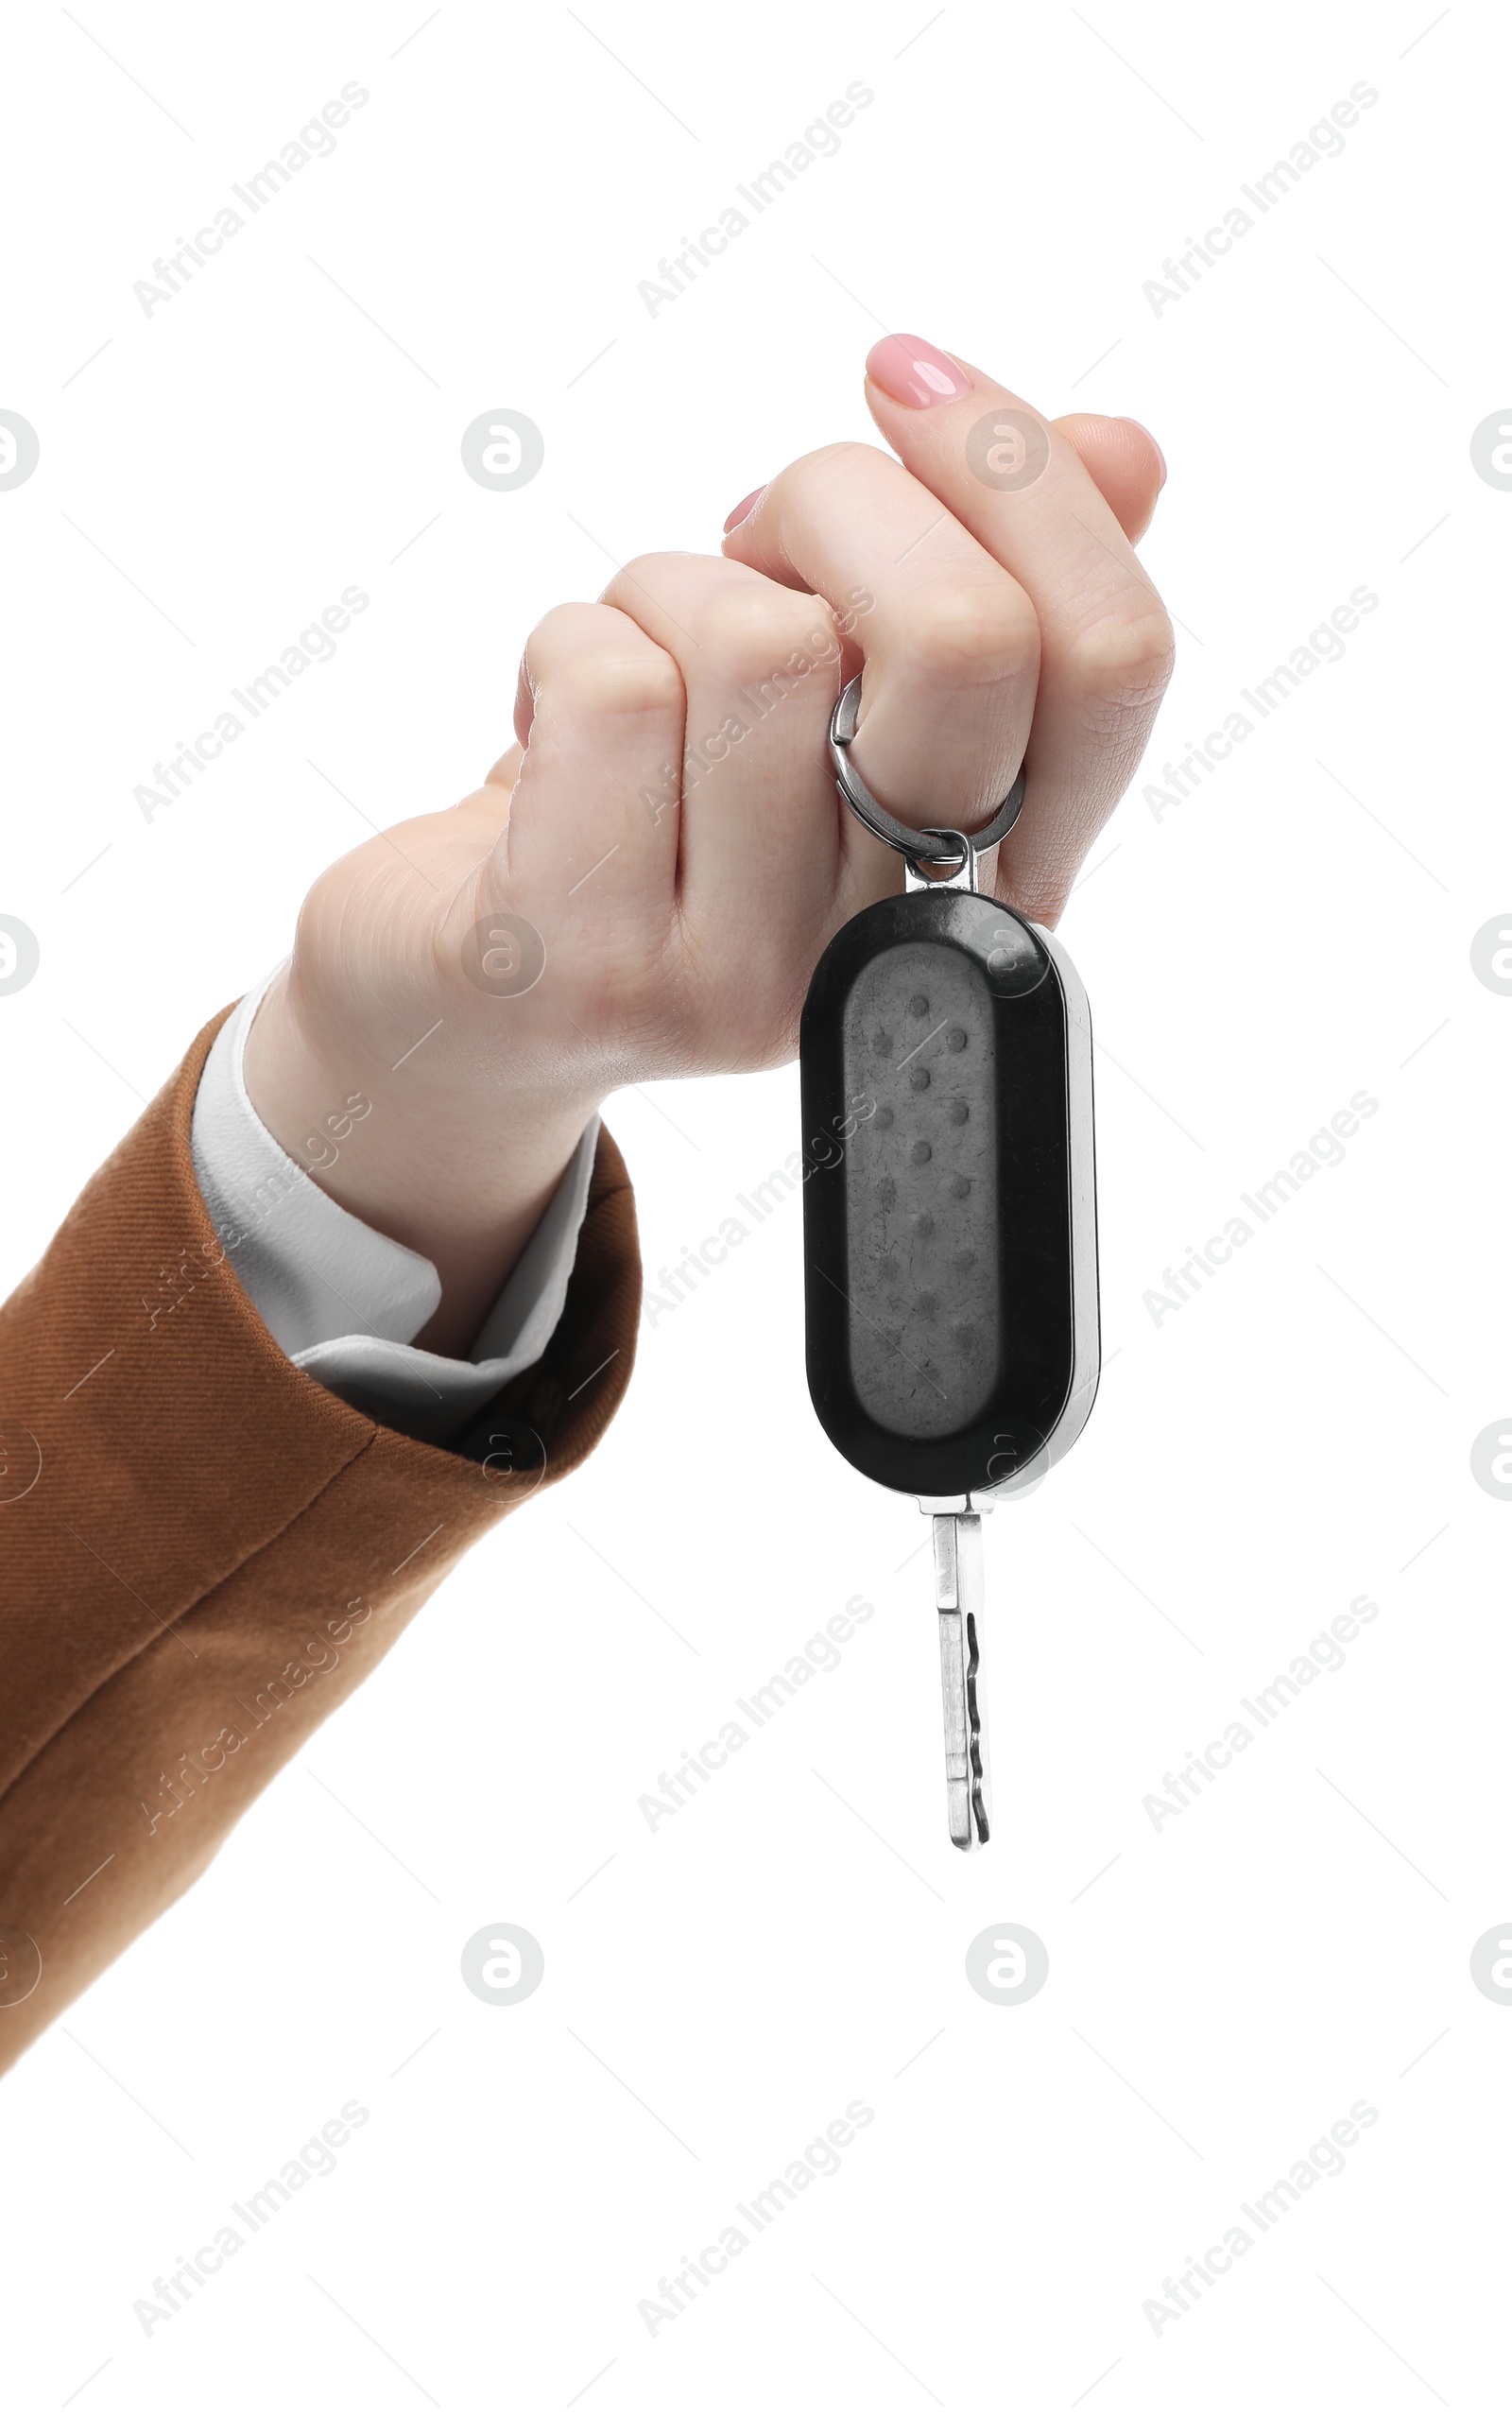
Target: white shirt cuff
pixel 345 1301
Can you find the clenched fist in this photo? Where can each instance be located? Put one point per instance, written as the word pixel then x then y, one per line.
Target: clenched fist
pixel 643 883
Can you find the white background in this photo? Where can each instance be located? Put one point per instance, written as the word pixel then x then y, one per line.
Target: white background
pixel 1299 929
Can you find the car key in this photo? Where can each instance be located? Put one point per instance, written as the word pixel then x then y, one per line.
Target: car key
pixel 950 1222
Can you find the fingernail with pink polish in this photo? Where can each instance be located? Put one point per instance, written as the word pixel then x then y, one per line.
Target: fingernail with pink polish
pixel 915 372
pixel 743 508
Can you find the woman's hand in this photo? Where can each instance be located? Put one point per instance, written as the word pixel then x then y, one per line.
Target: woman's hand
pixel 643 883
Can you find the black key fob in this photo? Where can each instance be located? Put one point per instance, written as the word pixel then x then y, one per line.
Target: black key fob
pixel 949 1215
pixel 950 1219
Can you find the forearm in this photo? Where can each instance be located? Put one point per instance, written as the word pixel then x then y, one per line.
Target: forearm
pixel 461 1179
pixel 205 1550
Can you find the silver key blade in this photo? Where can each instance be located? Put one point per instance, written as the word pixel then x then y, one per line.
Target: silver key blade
pixel 958 1598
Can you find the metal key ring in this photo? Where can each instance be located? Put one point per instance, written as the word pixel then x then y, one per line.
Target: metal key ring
pixel 878 820
pixel 962 858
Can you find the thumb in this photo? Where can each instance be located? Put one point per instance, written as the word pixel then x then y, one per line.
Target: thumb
pixel 1126 462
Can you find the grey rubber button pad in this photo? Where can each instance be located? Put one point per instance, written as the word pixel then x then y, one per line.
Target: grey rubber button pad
pixel 921 1190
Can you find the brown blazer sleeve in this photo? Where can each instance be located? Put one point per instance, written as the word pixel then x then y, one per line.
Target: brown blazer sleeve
pixel 202 1552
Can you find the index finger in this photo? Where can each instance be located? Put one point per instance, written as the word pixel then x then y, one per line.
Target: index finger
pixel 1010 476
pixel 1022 489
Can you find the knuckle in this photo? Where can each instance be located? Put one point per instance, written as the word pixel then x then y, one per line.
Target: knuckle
pixel 605 675
pixel 643 683
pixel 847 459
pixel 563 626
pixel 645 576
pixel 972 636
pixel 756 631
pixel 1123 664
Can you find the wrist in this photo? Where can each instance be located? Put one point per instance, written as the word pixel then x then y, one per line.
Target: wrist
pixel 456 1169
